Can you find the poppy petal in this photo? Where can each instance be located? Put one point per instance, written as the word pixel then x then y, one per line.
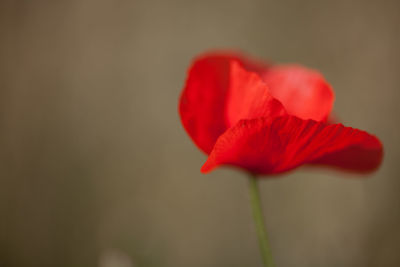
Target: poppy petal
pixel 248 97
pixel 204 99
pixel 303 92
pixel 202 102
pixel 264 147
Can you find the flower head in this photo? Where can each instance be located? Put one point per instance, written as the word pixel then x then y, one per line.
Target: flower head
pixel 268 119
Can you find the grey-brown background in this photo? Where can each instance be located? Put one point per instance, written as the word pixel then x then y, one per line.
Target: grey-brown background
pixel 96 170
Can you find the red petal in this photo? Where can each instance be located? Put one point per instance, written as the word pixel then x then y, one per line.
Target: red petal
pixel 262 147
pixel 218 93
pixel 303 92
pixel 202 102
pixel 248 97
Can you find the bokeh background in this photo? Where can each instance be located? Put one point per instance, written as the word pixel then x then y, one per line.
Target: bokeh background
pixel 96 169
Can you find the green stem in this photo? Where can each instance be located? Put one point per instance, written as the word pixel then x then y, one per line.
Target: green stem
pixel 259 221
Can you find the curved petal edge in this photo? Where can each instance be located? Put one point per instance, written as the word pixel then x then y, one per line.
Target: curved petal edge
pixel 211 101
pixel 264 147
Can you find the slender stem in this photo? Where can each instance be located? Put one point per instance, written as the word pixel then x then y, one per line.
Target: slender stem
pixel 259 221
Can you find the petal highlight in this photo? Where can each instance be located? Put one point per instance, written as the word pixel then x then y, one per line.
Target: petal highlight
pixel 248 97
pixel 303 92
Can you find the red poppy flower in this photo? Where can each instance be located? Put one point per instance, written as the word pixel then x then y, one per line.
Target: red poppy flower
pixel 268 119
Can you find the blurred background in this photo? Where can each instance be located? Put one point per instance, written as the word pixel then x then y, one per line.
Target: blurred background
pixel 96 169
